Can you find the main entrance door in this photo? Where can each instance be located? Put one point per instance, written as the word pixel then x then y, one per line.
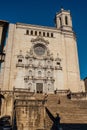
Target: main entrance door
pixel 39 87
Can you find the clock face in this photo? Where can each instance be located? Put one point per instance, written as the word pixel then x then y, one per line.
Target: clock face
pixel 39 49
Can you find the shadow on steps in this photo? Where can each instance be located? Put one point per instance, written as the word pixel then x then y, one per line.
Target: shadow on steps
pixel 73 126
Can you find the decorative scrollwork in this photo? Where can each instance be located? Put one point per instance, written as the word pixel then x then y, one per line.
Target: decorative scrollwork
pixel 40 39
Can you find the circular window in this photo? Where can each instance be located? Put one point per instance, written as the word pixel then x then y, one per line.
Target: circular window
pixel 39 49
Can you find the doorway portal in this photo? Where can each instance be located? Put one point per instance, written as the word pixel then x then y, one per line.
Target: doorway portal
pixel 39 87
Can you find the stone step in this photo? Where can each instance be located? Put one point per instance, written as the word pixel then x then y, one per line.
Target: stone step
pixel 70 111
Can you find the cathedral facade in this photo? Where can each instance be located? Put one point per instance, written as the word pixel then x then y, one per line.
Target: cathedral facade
pixel 39 59
pixel 42 59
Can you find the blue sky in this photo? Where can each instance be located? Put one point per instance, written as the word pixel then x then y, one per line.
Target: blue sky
pixel 42 12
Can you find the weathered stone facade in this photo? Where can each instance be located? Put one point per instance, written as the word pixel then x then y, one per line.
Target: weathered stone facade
pixel 39 59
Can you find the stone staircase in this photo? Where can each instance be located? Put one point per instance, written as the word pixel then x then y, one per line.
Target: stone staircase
pixel 70 111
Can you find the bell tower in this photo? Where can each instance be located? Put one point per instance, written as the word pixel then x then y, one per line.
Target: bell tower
pixel 64 20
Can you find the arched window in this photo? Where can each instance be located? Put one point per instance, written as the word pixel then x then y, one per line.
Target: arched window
pixel 66 20
pixel 58 63
pixel 51 34
pixel 19 60
pixel 39 33
pixel 60 21
pixel 43 33
pixel 27 32
pixel 31 32
pixel 47 34
pixel 35 32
